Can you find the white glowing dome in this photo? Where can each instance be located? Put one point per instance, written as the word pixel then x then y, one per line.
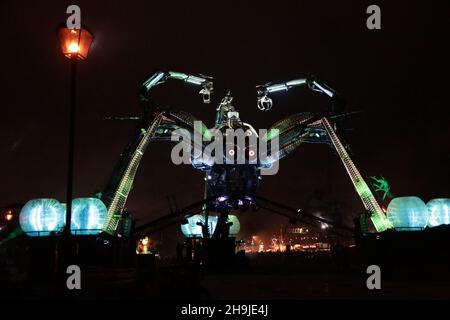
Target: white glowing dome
pixel 236 226
pixel 191 229
pixel 41 217
pixel 439 210
pixel 88 216
pixel 408 213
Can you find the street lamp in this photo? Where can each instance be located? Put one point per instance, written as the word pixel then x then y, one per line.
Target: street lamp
pixel 75 44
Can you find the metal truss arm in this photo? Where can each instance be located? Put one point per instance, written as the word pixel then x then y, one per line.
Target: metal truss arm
pixel 116 194
pixel 265 102
pixel 160 127
pixel 292 132
pixel 170 219
pixel 300 215
pixel 379 219
pixel 160 77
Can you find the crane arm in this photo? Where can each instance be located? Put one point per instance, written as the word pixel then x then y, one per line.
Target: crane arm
pixel 263 92
pixel 160 77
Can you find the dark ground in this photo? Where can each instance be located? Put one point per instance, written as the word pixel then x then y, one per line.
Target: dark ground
pixel 259 277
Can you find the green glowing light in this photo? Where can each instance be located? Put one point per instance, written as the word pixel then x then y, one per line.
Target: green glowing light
pixel 206 133
pixel 272 133
pixel 17 232
pixel 126 182
pixel 177 75
pixel 378 218
pixel 381 184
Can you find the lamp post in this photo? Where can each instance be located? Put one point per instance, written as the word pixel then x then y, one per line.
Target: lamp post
pixel 75 44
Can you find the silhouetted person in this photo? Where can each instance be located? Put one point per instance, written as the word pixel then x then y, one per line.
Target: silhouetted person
pixel 189 250
pixel 179 250
pixel 340 257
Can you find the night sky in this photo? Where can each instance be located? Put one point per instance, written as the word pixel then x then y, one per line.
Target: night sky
pixel 398 76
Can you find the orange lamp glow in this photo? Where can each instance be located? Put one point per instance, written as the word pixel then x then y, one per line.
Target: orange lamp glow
pixel 9 216
pixel 75 43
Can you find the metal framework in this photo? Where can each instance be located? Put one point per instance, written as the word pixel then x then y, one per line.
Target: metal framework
pixel 378 217
pixel 290 132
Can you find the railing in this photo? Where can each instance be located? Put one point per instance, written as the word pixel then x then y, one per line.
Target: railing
pixel 409 229
pixel 74 232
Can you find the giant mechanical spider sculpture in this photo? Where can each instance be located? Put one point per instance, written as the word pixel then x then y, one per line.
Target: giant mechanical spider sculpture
pixel 231 186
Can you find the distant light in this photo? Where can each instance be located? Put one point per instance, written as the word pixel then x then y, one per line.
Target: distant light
pixel 251 153
pixel 317 135
pixel 324 226
pixel 299 210
pixel 259 177
pixel 9 216
pixel 209 177
pixel 240 202
pixel 231 152
pixel 221 199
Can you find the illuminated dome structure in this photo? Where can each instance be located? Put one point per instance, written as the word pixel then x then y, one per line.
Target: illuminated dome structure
pixel 41 217
pixel 45 217
pixel 193 229
pixel 439 210
pixel 236 226
pixel 89 216
pixel 408 213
